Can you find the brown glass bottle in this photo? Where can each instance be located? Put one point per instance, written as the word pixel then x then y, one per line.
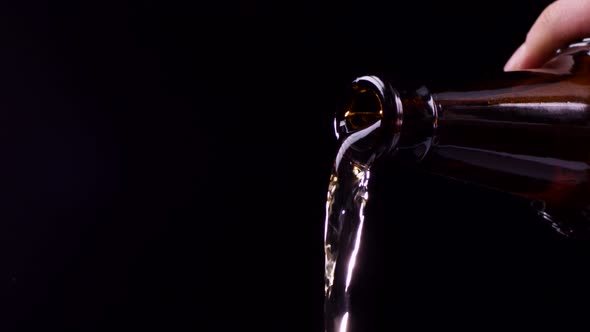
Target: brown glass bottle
pixel 526 133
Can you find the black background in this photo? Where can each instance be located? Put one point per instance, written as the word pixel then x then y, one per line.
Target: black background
pixel 165 165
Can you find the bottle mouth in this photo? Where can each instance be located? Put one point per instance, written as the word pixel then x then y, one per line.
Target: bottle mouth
pixel 364 106
pixel 369 121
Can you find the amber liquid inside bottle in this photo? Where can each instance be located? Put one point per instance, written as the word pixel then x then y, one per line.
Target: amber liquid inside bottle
pixel 526 133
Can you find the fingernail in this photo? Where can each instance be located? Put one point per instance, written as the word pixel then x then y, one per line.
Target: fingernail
pixel 516 59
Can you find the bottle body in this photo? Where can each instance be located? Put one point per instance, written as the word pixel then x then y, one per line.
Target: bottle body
pixel 528 136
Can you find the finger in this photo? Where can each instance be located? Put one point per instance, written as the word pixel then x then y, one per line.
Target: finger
pixel 560 23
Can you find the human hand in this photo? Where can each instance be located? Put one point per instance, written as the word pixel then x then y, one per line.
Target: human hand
pixel 560 23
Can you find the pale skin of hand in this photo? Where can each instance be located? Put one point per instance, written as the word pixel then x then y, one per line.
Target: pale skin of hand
pixel 559 24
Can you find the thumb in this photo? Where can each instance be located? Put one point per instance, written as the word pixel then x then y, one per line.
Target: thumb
pixel 560 23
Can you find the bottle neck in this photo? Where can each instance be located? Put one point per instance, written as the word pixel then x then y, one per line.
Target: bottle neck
pixel 419 118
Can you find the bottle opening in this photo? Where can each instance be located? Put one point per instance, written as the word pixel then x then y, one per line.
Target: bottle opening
pixel 363 108
pixel 369 120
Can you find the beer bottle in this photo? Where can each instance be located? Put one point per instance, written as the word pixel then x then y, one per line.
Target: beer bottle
pixel 525 132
